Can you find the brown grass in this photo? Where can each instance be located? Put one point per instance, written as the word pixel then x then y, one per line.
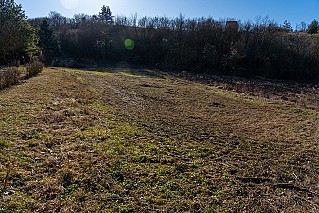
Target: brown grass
pixel 146 141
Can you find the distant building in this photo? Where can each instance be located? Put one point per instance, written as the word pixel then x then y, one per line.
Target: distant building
pixel 232 25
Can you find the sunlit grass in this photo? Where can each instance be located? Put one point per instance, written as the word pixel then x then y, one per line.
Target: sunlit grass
pixel 75 144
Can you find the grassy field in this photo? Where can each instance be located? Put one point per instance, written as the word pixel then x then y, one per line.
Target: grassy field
pixel 144 141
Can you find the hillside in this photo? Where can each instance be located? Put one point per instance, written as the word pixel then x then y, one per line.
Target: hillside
pixel 144 141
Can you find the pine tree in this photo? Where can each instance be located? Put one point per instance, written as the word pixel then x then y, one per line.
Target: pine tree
pixel 17 36
pixel 48 43
pixel 287 26
pixel 106 15
pixel 313 27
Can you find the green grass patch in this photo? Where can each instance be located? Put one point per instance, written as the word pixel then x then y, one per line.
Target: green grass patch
pixel 4 143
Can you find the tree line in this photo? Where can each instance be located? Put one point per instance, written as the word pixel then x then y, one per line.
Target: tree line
pixel 260 48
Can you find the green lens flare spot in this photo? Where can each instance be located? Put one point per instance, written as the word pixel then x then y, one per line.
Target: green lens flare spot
pixel 129 44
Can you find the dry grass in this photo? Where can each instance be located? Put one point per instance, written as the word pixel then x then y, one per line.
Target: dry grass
pixel 299 95
pixel 148 142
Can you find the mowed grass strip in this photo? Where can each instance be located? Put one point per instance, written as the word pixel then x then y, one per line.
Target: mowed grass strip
pixel 134 142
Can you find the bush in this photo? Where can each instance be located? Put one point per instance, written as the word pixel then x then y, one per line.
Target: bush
pixel 33 68
pixel 9 76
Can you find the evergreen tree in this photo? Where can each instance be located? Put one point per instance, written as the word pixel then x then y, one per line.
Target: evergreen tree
pixel 313 27
pixel 48 43
pixel 287 26
pixel 17 36
pixel 106 15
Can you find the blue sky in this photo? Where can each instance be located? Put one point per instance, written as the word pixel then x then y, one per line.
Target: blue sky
pixel 295 11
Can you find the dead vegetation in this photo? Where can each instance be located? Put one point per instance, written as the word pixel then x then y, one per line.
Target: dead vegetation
pixel 9 76
pixel 298 94
pixel 148 142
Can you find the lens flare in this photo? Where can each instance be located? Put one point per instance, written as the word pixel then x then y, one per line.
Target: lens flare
pixel 69 4
pixel 129 44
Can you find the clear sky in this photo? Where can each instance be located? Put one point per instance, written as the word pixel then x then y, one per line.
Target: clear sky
pixel 295 11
